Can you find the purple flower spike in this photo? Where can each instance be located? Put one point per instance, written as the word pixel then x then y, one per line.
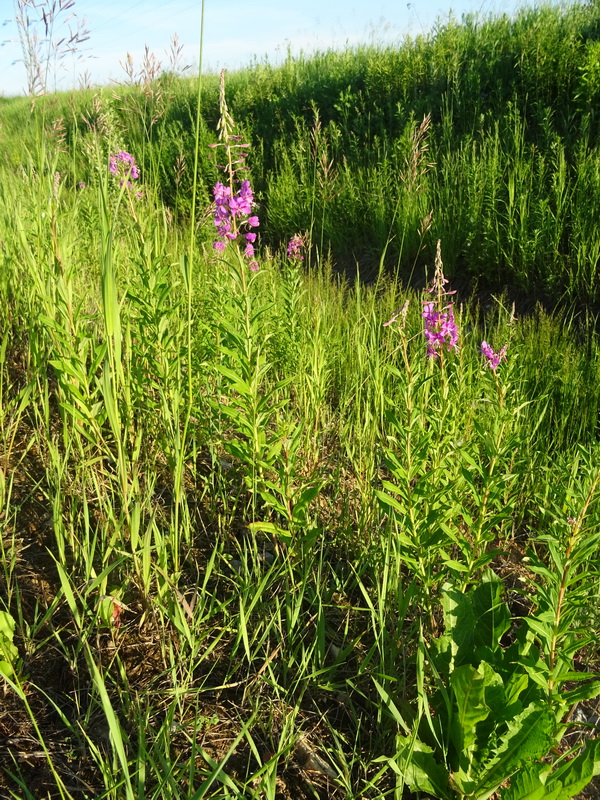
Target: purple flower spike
pixel 123 165
pixel 233 201
pixel 294 248
pixel 440 329
pixel 232 218
pixel 493 359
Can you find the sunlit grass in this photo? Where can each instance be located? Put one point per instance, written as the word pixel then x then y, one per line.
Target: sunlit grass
pixel 245 522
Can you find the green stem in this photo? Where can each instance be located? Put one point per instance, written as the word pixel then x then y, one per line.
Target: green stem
pixel 573 539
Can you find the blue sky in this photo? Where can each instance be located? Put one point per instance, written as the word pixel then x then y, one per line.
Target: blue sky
pixel 235 32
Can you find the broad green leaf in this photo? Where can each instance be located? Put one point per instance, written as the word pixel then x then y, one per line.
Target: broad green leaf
pixel 528 738
pixel 527 784
pixel 573 776
pixel 500 710
pixel 459 623
pixel 490 611
pixel 468 685
pixel 421 771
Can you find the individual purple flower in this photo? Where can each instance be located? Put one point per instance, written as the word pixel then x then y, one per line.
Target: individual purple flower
pixel 221 192
pixel 493 359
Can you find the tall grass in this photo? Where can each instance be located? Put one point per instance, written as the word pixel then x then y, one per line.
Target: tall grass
pixel 513 134
pixel 255 542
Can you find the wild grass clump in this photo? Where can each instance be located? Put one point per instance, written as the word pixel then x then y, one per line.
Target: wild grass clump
pixel 268 532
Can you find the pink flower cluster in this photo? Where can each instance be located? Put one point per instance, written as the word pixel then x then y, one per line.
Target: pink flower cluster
pixel 123 164
pixel 440 329
pixel 493 359
pixel 233 213
pixel 294 248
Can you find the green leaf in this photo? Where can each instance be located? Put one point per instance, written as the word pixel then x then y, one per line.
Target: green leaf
pixel 302 503
pixel 389 501
pixel 421 771
pixel 468 685
pixel 8 652
pixel 451 563
pixel 308 536
pixel 527 784
pixel 273 502
pixel 110 401
pixel 115 730
pixel 490 612
pixel 269 527
pixel 588 691
pixel 459 624
pixel 575 775
pixel 391 706
pixel 528 738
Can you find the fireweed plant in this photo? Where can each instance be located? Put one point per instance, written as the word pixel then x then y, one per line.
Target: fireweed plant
pixel 493 359
pixel 252 406
pixel 472 464
pixel 421 449
pixel 485 711
pixel 232 215
pixel 295 247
